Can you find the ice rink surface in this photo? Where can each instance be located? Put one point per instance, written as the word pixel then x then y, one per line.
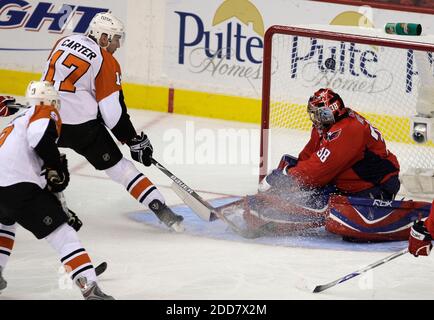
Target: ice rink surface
pixel 208 261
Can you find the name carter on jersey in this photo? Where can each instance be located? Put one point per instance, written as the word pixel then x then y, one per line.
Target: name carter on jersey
pixel 80 48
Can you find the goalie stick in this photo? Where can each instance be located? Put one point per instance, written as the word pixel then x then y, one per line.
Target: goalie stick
pixel 323 287
pixel 99 269
pixel 201 207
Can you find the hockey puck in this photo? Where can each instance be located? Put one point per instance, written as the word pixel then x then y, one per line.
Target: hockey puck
pixel 330 63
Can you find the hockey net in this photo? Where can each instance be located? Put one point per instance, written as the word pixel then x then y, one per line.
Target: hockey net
pixel 378 75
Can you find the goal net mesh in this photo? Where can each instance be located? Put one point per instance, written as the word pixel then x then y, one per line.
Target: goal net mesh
pixel 374 77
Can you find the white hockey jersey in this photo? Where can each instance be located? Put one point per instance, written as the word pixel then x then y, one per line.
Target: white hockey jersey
pixel 87 78
pixel 18 159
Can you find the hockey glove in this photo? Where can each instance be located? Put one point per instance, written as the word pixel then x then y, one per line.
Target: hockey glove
pixel 141 149
pixel 74 221
pixel 287 162
pixel 4 109
pixel 277 179
pixel 58 178
pixel 419 243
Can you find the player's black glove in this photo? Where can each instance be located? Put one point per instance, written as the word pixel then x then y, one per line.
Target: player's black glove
pixel 141 149
pixel 74 221
pixel 58 178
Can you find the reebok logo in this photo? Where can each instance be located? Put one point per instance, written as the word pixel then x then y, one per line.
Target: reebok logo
pixel 382 203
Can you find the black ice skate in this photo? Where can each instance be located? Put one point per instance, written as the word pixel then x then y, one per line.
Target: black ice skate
pixel 167 216
pixel 3 282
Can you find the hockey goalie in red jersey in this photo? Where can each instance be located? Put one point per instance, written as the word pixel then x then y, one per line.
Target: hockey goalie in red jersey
pixel 345 178
pixel 344 151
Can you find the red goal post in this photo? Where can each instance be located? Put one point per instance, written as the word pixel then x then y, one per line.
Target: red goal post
pixel 384 58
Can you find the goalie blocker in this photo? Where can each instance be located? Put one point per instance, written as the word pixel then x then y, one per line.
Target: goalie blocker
pixel 355 219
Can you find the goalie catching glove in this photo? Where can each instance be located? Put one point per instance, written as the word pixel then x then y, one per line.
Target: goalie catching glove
pixel 419 243
pixel 141 149
pixel 4 109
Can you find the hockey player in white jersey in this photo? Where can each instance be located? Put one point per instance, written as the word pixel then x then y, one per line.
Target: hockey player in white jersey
pixel 31 170
pixel 88 78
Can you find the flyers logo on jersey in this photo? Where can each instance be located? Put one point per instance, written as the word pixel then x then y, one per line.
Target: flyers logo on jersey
pixel 30 15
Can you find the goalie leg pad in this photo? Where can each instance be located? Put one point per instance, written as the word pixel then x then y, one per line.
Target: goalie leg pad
pixel 365 220
pixel 282 217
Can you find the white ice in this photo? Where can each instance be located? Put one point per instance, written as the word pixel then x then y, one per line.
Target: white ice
pixel 146 261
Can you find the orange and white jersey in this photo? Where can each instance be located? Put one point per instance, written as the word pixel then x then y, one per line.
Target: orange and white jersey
pixel 18 159
pixel 87 78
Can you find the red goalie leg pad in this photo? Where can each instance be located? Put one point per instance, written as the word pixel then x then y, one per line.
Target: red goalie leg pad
pixel 282 217
pixel 362 219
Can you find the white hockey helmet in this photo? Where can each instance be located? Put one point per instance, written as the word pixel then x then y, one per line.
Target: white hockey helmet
pixel 105 22
pixel 42 92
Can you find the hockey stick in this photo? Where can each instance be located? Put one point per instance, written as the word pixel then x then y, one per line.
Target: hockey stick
pixel 17 106
pixel 203 208
pixel 99 269
pixel 323 287
pixel 207 215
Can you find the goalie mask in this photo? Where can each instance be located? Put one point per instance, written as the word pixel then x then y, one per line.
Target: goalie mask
pixel 106 23
pixel 325 107
pixel 42 92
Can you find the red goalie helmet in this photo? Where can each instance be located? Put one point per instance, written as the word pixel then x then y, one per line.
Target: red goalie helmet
pixel 325 107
